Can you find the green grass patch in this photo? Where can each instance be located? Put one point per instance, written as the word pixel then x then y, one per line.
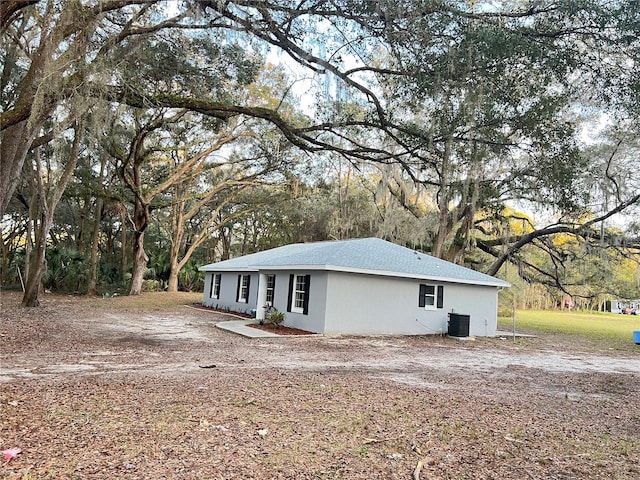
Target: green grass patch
pixel 613 329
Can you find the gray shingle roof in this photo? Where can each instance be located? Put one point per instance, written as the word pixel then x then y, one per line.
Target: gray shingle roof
pixel 364 255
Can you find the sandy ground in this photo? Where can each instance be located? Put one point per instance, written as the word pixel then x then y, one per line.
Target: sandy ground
pixel 81 377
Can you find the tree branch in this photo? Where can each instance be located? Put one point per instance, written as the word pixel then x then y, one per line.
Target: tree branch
pixel 9 7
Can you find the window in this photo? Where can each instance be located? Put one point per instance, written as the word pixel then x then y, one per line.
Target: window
pixel 431 297
pixel 215 285
pixel 242 295
pixel 299 293
pixel 271 288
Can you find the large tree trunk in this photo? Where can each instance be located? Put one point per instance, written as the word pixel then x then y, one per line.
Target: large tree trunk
pixel 140 258
pixel 5 261
pixel 38 263
pixel 95 236
pixel 444 223
pixel 176 265
pixel 14 145
pixel 172 286
pixel 124 262
pixel 28 248
pixel 177 227
pixel 47 205
pixel 93 253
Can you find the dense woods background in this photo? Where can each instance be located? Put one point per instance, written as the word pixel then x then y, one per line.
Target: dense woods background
pixel 142 139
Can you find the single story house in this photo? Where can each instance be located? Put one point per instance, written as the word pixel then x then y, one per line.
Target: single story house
pixel 359 286
pixel 623 306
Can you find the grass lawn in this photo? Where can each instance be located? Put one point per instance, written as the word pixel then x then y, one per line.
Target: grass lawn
pixel 607 329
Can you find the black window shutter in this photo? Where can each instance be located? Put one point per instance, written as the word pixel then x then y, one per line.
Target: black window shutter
pixel 238 289
pixel 291 282
pixel 248 285
pixel 423 292
pixel 440 296
pixel 307 284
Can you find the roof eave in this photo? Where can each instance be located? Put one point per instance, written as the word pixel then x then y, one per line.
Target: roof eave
pixel 417 276
pixel 385 273
pixel 213 268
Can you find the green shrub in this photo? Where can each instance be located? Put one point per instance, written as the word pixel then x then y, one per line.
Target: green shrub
pixel 276 318
pixel 190 278
pixel 154 286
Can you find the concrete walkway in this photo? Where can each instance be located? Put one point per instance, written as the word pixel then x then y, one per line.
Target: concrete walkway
pixel 240 327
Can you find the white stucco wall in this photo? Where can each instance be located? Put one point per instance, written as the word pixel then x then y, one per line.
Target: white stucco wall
pixel 314 320
pixel 480 302
pixel 368 304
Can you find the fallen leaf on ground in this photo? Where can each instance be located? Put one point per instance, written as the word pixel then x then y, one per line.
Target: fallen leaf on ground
pixel 9 453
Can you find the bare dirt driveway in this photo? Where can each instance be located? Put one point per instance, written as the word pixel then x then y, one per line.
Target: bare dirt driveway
pixel 149 388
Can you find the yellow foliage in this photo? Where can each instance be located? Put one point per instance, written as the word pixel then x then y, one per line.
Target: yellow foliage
pixel 518 223
pixel 565 240
pixel 628 269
